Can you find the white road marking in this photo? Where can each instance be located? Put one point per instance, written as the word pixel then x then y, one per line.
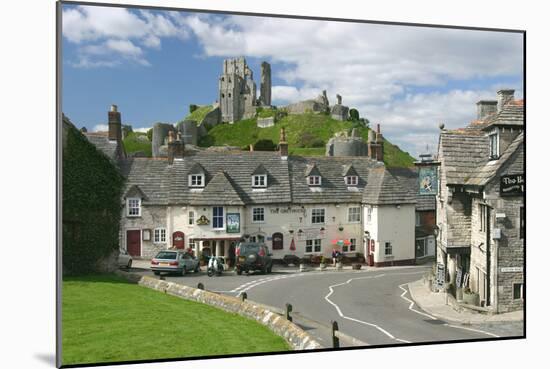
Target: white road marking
pixel 434 318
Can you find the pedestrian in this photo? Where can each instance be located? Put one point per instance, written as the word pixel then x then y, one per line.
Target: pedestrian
pixel 334 256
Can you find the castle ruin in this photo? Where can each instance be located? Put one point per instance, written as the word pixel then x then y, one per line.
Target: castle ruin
pixel 237 90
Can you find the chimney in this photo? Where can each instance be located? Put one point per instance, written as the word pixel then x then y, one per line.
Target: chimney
pixel 375 146
pixel 115 125
pixel 486 108
pixel 503 97
pixel 176 147
pixel 283 145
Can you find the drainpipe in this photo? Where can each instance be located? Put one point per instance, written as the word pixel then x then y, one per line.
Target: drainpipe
pixel 488 263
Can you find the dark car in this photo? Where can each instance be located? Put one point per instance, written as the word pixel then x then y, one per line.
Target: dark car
pixel 251 256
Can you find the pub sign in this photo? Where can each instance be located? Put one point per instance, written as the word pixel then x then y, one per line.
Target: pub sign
pixel 233 223
pixel 427 180
pixel 512 185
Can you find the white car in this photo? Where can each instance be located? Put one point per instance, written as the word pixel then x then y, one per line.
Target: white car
pixel 124 259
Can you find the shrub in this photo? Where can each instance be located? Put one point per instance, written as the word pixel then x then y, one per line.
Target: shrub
pixel 150 134
pixel 353 114
pixel 265 145
pixel 192 108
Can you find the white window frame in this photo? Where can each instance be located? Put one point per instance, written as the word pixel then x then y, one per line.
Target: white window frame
pixel 494 145
pixel 258 212
pixel 159 235
pixel 417 219
pixel 521 297
pixel 424 246
pixel 129 200
pixel 222 216
pixel 196 180
pixel 369 214
pixel 314 215
pixel 315 245
pixel 191 218
pixel 386 248
pixel 192 244
pixel 356 214
pixel 353 244
pixel 352 180
pixel 314 180
pixel 259 180
pixel 482 218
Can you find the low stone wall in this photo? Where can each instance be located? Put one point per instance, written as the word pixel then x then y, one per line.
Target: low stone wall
pixel 294 335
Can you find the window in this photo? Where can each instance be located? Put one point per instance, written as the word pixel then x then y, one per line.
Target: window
pixel 217 217
pixel 261 239
pixel 354 215
pixel 421 247
pixel 196 180
pixel 417 219
pixel 191 217
pixel 482 218
pixel 159 235
pixel 317 216
pixel 353 244
pixel 259 180
pixel 493 140
pixel 369 214
pixel 313 245
pixel 522 222
pixel 192 245
pixel 258 215
pixel 518 291
pixel 351 180
pixel 134 207
pixel 314 180
pixel 388 249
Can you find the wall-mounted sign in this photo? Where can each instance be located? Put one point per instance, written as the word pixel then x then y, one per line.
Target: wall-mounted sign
pixel 233 223
pixel 299 210
pixel 511 269
pixel 146 233
pixel 310 234
pixel 512 185
pixel 427 180
pixel 440 275
pixel 203 220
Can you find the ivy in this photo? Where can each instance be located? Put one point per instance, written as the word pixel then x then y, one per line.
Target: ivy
pixel 92 188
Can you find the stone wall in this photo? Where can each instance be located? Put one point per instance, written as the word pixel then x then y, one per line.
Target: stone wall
pixel 152 216
pixel 266 122
pixel 297 338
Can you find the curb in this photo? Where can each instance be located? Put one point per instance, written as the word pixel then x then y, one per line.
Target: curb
pixel 297 338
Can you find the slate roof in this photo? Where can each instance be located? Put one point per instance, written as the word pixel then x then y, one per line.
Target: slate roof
pixel 102 142
pixel 462 155
pixel 219 191
pixel 390 186
pixel 152 176
pixel 485 173
pixel 512 114
pixel 333 188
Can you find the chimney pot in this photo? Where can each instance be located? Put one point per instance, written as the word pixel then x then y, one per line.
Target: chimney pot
pixel 114 108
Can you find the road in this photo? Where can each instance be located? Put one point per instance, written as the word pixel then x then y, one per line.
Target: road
pixel 372 306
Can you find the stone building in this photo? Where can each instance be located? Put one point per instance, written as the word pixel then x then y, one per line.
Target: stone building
pixel 481 204
pixel 237 90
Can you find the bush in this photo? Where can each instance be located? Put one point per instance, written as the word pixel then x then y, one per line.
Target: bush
pixel 150 134
pixel 265 145
pixel 192 108
pixel 354 114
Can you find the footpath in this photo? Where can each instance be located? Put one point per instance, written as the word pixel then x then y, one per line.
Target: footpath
pixel 446 308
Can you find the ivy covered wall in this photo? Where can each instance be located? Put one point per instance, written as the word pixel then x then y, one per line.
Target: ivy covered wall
pixel 91 194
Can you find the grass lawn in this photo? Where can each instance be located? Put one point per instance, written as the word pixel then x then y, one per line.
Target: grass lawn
pixel 133 143
pixel 106 319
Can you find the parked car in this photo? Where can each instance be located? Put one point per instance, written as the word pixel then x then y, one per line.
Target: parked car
pixel 124 259
pixel 174 261
pixel 251 256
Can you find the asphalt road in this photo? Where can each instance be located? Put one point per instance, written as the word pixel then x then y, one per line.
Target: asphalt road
pixel 373 306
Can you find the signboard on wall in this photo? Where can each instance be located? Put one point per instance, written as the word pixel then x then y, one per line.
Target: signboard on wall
pixel 427 180
pixel 440 275
pixel 512 185
pixel 233 223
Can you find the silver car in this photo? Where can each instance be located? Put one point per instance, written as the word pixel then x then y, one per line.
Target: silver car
pixel 124 259
pixel 174 261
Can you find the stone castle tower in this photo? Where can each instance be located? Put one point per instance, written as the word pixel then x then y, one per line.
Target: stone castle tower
pixel 237 89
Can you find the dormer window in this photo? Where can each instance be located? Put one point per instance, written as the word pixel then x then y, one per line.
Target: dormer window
pixel 352 180
pixel 314 180
pixel 259 180
pixel 196 180
pixel 493 142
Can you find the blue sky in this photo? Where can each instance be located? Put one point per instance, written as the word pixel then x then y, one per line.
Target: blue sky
pixel 153 64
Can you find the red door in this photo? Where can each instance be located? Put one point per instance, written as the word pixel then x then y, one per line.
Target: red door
pixel 133 242
pixel 178 240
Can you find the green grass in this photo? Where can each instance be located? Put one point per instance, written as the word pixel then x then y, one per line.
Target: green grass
pixel 199 113
pixel 106 319
pixel 320 126
pixel 133 144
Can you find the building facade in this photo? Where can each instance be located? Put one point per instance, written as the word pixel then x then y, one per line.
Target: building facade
pixel 481 204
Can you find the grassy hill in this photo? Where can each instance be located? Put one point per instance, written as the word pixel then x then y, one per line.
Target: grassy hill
pixel 306 133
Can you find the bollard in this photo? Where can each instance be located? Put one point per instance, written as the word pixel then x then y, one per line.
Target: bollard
pixel 335 339
pixel 288 311
pixel 244 296
pixel 200 286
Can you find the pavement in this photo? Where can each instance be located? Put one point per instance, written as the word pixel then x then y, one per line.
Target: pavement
pixel 446 308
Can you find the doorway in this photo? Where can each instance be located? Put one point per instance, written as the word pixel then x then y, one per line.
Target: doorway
pixel 133 242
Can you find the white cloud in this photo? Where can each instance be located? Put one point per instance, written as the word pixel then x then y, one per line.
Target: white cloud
pixel 100 128
pixel 142 130
pixel 109 36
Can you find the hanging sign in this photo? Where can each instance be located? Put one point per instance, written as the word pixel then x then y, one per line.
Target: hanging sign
pixel 427 180
pixel 203 220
